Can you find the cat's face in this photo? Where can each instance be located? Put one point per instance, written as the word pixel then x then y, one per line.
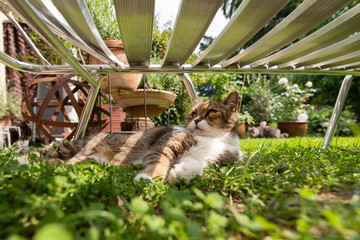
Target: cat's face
pixel 253 131
pixel 213 118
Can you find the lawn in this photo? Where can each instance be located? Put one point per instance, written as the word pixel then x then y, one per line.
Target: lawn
pixel 284 189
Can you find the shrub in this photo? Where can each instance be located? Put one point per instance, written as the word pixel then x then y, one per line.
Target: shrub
pixel 290 100
pixel 103 13
pixel 319 121
pixel 170 82
pixel 260 103
pixel 11 105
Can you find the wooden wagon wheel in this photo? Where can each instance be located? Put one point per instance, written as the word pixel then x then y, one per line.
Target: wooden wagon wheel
pixel 53 124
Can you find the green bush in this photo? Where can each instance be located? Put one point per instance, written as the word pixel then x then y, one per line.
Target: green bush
pixel 319 121
pixel 11 105
pixel 216 86
pixel 175 116
pixel 260 105
pixel 103 14
pixel 290 100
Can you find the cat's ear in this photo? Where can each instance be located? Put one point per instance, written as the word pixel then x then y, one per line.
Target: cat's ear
pixel 194 102
pixel 232 100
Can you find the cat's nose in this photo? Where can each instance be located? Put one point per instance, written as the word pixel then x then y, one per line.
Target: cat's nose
pixel 197 120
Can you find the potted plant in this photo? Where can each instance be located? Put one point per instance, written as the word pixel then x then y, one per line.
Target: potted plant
pixel 103 13
pixel 157 100
pixel 244 119
pixel 290 106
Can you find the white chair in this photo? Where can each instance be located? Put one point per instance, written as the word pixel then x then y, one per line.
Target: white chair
pixel 5 135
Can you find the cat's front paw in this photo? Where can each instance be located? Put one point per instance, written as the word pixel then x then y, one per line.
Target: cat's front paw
pixel 24 159
pixel 142 176
pixel 173 179
pixel 184 170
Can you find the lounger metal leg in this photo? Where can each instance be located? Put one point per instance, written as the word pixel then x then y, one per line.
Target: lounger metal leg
pixel 339 105
pixel 190 88
pixel 89 105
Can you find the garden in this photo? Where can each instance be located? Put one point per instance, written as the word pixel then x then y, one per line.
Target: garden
pixel 284 188
pixel 275 99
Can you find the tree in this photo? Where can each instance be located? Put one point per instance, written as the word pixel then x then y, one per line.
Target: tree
pixel 229 7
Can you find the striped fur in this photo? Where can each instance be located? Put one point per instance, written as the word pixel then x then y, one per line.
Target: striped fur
pixel 209 136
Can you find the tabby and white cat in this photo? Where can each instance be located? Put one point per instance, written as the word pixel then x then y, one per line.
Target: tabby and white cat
pixel 209 136
pixel 266 132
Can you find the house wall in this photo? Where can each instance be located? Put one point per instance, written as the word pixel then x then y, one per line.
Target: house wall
pixel 2 66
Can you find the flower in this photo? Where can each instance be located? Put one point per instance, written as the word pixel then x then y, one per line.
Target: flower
pixel 309 84
pixel 302 117
pixel 283 81
pixel 295 85
pixel 263 123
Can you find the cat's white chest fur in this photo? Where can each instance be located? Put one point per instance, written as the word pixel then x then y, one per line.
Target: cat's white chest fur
pixel 207 149
pixel 205 152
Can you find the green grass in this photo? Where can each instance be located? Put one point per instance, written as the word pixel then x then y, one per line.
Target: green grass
pixel 284 189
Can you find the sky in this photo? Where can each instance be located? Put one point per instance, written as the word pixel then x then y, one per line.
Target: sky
pixel 167 10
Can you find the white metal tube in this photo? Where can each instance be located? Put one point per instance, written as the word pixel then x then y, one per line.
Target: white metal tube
pixel 339 105
pixel 156 68
pixel 190 89
pixel 26 37
pixel 53 40
pixel 89 106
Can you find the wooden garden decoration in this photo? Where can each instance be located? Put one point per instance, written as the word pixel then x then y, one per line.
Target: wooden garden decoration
pixel 59 119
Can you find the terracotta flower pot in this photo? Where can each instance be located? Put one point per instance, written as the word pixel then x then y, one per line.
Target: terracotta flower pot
pixel 241 130
pixel 293 128
pixel 121 83
pixel 157 101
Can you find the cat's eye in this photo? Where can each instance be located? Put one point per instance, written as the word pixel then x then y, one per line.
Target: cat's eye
pixel 194 114
pixel 211 112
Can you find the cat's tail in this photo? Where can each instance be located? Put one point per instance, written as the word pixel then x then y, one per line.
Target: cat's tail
pixel 284 135
pixel 54 153
pixel 64 150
